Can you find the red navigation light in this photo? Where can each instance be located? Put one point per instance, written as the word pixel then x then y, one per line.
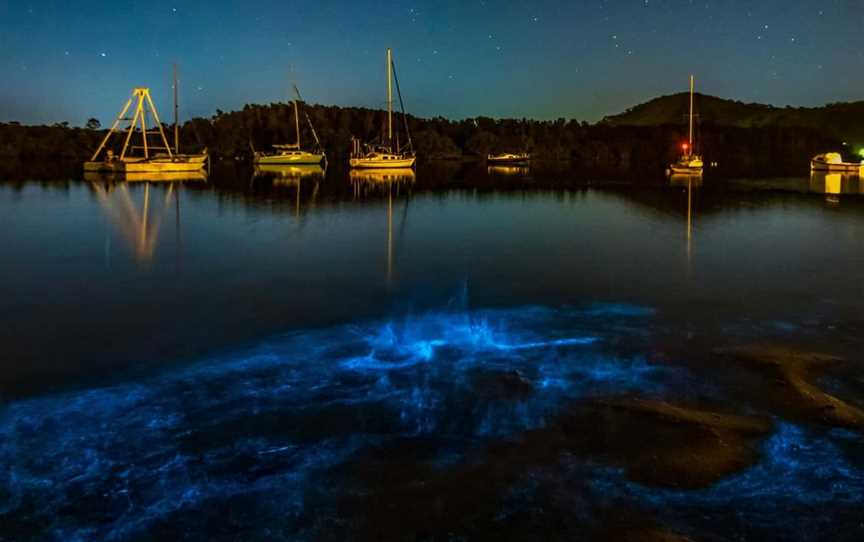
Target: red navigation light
pixel 685 146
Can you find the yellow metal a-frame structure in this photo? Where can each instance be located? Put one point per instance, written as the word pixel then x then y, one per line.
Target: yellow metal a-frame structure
pixel 143 106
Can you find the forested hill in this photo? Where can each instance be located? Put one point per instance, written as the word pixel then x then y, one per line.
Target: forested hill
pixel 742 139
pixel 843 121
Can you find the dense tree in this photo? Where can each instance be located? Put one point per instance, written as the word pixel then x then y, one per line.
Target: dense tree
pixel 613 147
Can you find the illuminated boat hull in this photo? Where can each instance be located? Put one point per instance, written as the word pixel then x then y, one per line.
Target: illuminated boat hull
pixel 290 158
pixel 841 167
pixel 508 158
pixel 685 170
pixel 179 163
pixel 381 163
pixel 687 165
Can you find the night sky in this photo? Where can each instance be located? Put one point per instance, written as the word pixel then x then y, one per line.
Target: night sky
pixel 67 61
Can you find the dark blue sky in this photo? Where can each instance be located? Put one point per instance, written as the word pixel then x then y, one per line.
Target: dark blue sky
pixel 65 60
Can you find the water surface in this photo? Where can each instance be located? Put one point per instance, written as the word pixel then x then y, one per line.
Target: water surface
pixel 305 356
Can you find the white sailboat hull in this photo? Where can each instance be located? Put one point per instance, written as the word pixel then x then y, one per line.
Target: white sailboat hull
pixel 379 163
pixel 180 163
pixel 508 158
pixel 686 170
pixel 289 159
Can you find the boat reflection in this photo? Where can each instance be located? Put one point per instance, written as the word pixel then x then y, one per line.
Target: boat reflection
pixel 382 176
pixel 286 174
pixel 685 180
pixel 140 228
pixel 508 171
pixel 835 184
pixel 156 177
pixel 690 182
pixel 291 175
pixel 372 182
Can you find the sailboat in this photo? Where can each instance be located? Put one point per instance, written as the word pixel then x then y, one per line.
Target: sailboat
pixel 292 153
pixel 508 158
pixel 386 155
pixel 166 161
pixel 689 163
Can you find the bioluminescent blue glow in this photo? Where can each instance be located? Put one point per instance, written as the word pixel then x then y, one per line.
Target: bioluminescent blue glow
pixel 262 422
pixel 260 429
pixel 800 470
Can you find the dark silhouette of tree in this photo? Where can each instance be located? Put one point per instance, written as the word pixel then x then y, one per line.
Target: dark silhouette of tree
pixel 93 124
pixel 611 146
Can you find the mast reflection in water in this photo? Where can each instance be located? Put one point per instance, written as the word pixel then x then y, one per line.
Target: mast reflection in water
pixel 373 182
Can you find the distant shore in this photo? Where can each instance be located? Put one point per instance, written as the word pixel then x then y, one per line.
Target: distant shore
pixel 45 151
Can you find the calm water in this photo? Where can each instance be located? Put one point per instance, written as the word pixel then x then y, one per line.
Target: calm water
pixel 455 354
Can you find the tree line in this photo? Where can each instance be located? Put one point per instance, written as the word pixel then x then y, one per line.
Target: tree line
pixel 602 147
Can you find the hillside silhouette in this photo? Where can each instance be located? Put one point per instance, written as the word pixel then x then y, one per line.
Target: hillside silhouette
pixel 742 139
pixel 843 121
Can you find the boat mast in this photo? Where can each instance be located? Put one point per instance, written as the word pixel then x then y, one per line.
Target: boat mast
pixel 389 99
pixel 690 139
pixel 297 123
pixel 176 115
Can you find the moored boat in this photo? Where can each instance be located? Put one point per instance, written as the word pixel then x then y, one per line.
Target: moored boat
pixel 292 153
pixel 382 159
pixel 164 160
pixel 508 158
pixel 833 161
pixel 689 163
pixel 289 155
pixel 389 154
pixel 160 163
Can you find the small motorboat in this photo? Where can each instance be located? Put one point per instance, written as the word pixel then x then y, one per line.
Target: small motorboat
pixel 833 161
pixel 689 164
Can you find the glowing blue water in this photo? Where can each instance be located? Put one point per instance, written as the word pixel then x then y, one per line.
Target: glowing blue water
pixel 258 430
pixel 114 461
pixel 800 471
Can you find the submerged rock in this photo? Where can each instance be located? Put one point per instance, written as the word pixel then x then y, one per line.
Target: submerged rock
pixel 656 443
pixel 664 445
pixel 795 369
